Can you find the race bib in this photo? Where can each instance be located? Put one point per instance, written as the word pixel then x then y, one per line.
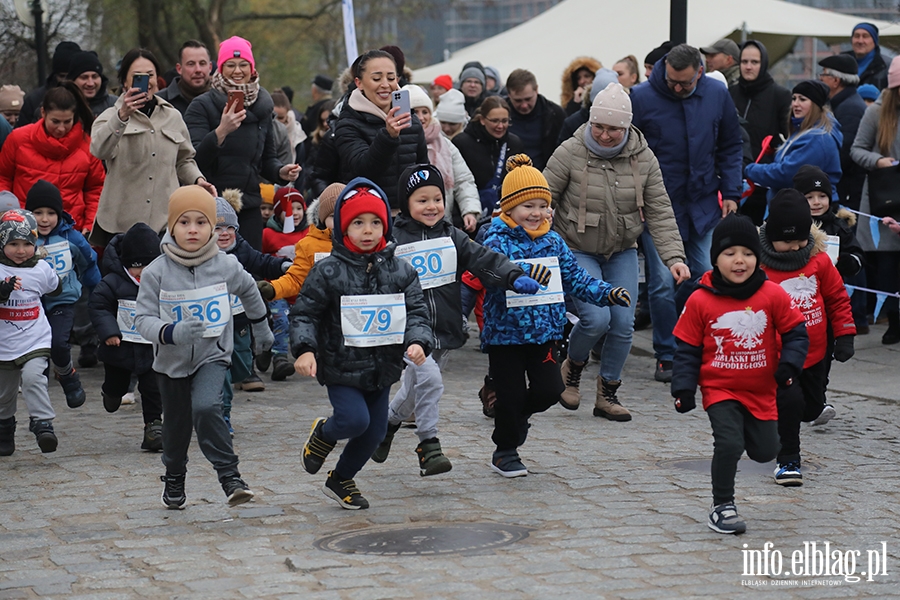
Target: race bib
pixel 237 307
pixel 552 293
pixel 125 319
pixel 320 255
pixel 60 258
pixel 833 247
pixel 433 260
pixel 210 304
pixel 373 320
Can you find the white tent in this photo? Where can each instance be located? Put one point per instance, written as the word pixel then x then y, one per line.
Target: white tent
pixel 546 44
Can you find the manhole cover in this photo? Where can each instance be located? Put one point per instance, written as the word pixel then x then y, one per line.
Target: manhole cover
pixel 745 465
pixel 423 540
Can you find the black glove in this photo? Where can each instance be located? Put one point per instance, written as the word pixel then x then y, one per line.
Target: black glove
pixel 540 273
pixel 848 265
pixel 6 288
pixel 685 401
pixel 843 348
pixel 785 374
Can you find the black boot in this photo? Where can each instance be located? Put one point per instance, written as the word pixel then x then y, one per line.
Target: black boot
pixel 892 335
pixel 282 367
pixel 71 385
pixel 7 436
pixel 43 432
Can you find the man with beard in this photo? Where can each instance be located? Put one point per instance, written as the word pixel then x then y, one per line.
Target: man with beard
pixel 194 73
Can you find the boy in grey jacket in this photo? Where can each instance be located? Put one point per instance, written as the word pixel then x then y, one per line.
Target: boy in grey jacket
pixel 189 322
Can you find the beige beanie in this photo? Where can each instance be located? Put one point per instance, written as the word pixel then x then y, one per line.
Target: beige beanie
pixel 191 197
pixel 418 97
pixel 612 106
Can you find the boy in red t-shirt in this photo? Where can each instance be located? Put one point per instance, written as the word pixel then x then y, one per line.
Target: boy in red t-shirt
pixel 728 343
pixel 794 256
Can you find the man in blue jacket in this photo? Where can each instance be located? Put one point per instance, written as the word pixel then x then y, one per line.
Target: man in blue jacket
pixel 691 125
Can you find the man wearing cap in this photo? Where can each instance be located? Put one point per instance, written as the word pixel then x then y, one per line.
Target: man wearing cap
pixel 194 69
pixel 11 97
pixel 31 105
pixel 839 73
pixel 86 71
pixel 871 67
pixel 320 92
pixel 654 55
pixel 725 57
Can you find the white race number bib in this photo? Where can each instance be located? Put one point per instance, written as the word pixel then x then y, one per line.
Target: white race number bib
pixel 552 293
pixel 320 255
pixel 434 261
pixel 210 304
pixel 373 320
pixel 59 256
pixel 125 319
pixel 237 307
pixel 833 247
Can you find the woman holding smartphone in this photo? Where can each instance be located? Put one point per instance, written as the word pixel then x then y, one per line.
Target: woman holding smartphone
pixel 231 129
pixel 373 138
pixel 147 150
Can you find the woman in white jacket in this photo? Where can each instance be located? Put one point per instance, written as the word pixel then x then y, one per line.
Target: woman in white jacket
pixel 461 195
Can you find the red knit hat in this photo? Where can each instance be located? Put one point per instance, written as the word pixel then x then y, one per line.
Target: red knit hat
pixel 445 81
pixel 359 201
pixel 284 199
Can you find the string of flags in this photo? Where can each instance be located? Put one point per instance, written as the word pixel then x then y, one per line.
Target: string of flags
pixel 874 224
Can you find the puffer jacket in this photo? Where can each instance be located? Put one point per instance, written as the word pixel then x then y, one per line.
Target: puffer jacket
pixel 103 307
pixel 545 322
pixel 444 302
pixel 367 150
pixel 84 262
pixel 316 316
pixel 566 99
pixel 30 153
pixel 481 151
pixel 597 209
pixel 317 241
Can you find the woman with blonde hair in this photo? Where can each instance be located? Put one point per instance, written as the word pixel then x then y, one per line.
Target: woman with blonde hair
pixel 628 71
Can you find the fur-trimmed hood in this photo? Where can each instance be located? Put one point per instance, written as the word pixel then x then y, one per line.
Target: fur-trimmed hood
pixel 312 214
pixel 846 215
pixel 568 85
pixel 819 239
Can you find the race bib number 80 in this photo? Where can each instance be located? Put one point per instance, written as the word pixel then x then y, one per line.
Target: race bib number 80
pixel 210 304
pixel 373 320
pixel 434 261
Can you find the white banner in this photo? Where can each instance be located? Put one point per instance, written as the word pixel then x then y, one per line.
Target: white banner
pixel 349 31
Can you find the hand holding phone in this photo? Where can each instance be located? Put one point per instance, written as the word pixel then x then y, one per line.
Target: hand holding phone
pixel 141 81
pixel 235 101
pixel 400 98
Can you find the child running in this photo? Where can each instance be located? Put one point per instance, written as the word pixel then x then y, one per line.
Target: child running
pixel 183 307
pixel 728 344
pixel 360 311
pixel 521 334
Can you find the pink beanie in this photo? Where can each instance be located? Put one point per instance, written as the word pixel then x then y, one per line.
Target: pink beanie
pixel 894 73
pixel 235 47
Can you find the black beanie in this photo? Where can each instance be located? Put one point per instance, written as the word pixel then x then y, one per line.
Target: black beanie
pixel 414 177
pixel 814 90
pixel 811 178
pixel 657 53
pixel 82 62
pixel 140 245
pixel 789 217
pixel 62 56
pixel 734 230
pixel 44 194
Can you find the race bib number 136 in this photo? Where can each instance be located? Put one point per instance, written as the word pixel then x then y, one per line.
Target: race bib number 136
pixel 210 304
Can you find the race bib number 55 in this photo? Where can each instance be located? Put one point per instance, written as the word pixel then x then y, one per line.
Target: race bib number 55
pixel 210 304
pixel 373 320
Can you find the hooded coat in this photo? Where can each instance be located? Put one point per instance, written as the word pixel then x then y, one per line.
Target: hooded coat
pixel 764 104
pixel 569 83
pixel 84 262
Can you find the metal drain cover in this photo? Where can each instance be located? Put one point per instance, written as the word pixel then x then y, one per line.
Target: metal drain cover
pixel 423 540
pixel 745 465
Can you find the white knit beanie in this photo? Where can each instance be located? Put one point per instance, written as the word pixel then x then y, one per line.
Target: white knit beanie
pixel 451 107
pixel 612 107
pixel 418 97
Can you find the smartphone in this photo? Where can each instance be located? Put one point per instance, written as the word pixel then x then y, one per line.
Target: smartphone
pixel 401 98
pixel 235 98
pixel 141 81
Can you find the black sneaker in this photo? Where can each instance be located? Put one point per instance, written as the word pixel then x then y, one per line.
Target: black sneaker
pixel 316 449
pixel 173 496
pixel 282 367
pixel 252 384
pixel 381 452
pixel 236 490
pixel 263 360
pixel 508 464
pixel 71 385
pixel 87 358
pixel 663 371
pixel 152 436
pixel 724 519
pixel 43 433
pixel 7 436
pixel 111 403
pixel 345 492
pixel 788 474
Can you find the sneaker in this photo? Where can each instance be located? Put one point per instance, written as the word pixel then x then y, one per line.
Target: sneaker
pixel 7 436
pixel 381 452
pixel 607 404
pixel 263 360
pixel 431 458
pixel 488 397
pixel 663 371
pixel 724 519
pixel 128 398
pixel 315 450
pixel 571 376
pixel 236 490
pixel 282 367
pixel 251 384
pixel 71 385
pixel 43 433
pixel 788 474
pixel 111 403
pixel 87 357
pixel 152 436
pixel 508 464
pixel 826 415
pixel 173 496
pixel 345 492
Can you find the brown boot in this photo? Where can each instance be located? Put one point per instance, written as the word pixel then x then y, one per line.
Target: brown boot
pixel 488 397
pixel 607 405
pixel 571 376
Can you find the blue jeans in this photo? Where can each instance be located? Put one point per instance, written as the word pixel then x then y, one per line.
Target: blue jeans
pixel 281 328
pixel 360 417
pixel 661 287
pixel 616 322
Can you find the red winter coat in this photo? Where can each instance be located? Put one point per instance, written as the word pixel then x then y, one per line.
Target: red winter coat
pixel 30 153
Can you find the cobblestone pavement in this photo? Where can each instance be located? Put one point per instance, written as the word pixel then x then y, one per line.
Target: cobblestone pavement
pixel 609 509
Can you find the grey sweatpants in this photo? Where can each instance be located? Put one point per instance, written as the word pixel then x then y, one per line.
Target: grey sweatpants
pixel 34 390
pixel 195 403
pixel 420 390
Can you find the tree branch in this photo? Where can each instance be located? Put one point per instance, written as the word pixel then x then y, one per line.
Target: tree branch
pixel 326 6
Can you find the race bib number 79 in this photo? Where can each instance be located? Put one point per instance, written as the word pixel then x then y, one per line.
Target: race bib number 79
pixel 373 320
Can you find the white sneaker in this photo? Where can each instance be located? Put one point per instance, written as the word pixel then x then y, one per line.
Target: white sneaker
pixel 128 398
pixel 826 415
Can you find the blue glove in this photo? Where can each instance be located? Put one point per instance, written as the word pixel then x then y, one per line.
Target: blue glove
pixel 526 285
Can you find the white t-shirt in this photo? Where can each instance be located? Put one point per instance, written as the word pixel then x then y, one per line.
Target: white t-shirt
pixel 24 327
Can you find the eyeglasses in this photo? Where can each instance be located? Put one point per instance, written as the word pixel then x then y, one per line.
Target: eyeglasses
pixel 498 121
pixel 684 84
pixel 228 228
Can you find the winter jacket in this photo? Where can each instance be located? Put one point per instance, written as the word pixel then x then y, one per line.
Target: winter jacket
pixel 148 158
pixel 245 156
pixel 698 161
pixel 839 222
pixel 5 130
pixel 367 150
pixel 572 123
pixel 877 71
pixel 552 117
pixel 325 161
pixel 545 322
pixel 276 242
pixel 164 274
pixel 763 103
pixel 597 209
pixel 259 265
pixel 81 271
pixel 172 95
pixel 849 108
pixel 30 153
pixel 569 83
pixel 317 241
pixel 815 146
pixel 444 302
pixel 31 103
pixel 103 307
pixel 463 196
pixel 481 151
pixel 316 316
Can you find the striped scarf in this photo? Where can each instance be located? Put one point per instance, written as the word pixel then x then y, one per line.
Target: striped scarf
pixel 251 89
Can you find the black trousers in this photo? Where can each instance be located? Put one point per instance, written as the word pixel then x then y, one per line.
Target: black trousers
pixel 61 318
pixel 518 399
pixel 801 402
pixel 118 380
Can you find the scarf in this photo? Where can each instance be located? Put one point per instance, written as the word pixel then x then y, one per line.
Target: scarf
pixel 356 250
pixel 360 103
pixel 602 151
pixel 535 234
pixel 439 152
pixel 191 259
pixel 741 291
pixel 865 61
pixel 784 261
pixel 250 89
pixel 187 92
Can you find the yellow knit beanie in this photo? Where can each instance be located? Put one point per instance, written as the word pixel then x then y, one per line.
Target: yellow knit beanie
pixel 522 183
